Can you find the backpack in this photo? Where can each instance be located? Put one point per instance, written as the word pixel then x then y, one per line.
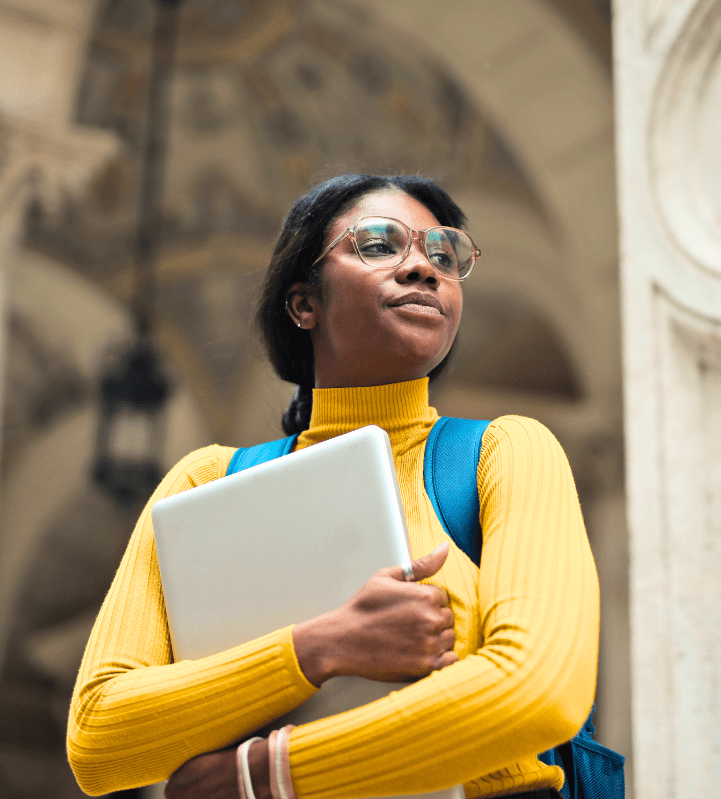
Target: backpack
pixel 453 449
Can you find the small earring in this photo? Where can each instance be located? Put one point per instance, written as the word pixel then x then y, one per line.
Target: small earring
pixel 300 324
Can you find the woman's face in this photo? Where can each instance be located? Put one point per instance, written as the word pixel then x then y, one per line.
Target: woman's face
pixel 374 326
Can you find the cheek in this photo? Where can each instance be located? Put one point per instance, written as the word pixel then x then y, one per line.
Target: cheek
pixel 457 305
pixel 350 292
pixel 459 301
pixel 347 312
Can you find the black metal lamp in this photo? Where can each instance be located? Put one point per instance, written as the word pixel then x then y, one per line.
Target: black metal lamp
pixel 130 435
pixel 134 390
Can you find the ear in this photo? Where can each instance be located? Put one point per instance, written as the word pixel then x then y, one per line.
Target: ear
pixel 301 304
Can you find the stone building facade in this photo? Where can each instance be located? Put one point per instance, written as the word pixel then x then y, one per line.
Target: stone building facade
pixel 668 100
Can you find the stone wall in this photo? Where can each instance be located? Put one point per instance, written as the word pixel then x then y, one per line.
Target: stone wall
pixel 668 100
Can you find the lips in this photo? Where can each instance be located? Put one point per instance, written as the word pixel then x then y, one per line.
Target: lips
pixel 418 298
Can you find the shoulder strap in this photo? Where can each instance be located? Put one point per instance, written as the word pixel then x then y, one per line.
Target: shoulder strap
pixel 243 458
pixel 449 473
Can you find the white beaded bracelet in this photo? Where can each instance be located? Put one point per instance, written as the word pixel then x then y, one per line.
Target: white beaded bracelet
pixel 281 784
pixel 245 786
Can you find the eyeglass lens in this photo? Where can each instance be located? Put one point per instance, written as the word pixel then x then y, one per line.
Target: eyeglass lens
pixel 383 242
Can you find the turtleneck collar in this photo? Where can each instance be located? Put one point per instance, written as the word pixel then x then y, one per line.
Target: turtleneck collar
pixel 401 409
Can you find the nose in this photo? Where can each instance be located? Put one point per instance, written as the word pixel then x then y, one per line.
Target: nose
pixel 416 268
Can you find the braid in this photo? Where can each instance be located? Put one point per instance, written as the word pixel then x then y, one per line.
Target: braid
pixel 296 418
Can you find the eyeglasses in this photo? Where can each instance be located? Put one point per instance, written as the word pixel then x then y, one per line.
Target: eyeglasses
pixel 382 242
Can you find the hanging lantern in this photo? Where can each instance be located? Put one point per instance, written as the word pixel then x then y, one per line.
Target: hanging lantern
pixel 130 436
pixel 134 391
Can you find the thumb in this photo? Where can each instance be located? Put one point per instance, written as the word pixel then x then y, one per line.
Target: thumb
pixel 429 564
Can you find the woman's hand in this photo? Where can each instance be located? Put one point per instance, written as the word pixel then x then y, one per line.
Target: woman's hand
pixel 391 630
pixel 211 776
pixel 215 775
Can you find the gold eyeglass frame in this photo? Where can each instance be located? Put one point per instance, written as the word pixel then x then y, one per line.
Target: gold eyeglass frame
pixel 421 235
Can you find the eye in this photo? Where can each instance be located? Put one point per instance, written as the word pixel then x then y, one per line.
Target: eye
pixel 441 251
pixel 380 239
pixel 443 261
pixel 442 255
pixel 378 247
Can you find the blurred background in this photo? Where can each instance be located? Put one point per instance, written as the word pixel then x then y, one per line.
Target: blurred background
pixel 149 151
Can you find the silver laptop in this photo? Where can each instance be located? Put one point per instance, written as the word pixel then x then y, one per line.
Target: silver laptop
pixel 282 543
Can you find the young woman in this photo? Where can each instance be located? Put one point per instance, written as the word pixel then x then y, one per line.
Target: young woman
pixel 360 307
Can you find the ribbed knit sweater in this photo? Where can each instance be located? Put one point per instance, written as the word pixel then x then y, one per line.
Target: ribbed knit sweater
pixel 526 628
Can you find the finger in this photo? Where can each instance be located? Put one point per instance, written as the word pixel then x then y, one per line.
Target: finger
pixel 447 639
pixel 440 596
pixel 447 619
pixel 441 624
pixel 424 567
pixel 447 659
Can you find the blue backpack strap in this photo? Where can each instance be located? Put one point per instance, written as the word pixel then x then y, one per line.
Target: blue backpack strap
pixel 243 458
pixel 449 473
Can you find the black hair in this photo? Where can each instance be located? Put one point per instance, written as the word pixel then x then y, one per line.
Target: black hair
pixel 290 350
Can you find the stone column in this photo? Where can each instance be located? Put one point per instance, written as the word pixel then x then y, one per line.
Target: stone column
pixel 668 103
pixel 42 49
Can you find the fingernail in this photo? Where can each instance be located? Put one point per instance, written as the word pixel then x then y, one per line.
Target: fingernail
pixel 444 545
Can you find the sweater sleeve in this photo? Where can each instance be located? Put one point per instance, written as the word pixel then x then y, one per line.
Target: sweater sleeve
pixel 528 687
pixel 135 715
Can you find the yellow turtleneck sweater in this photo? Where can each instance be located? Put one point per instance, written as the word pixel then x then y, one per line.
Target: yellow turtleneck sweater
pixel 526 627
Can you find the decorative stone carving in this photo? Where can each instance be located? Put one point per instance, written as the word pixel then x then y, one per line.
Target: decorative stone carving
pixel 40 51
pixel 684 151
pixel 53 161
pixel 213 31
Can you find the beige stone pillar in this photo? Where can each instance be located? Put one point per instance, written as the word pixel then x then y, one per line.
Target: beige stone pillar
pixel 668 101
pixel 42 48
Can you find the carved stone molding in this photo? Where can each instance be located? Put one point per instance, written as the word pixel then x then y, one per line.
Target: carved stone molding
pixel 688 376
pixel 42 43
pixel 212 32
pixel 683 139
pixel 55 161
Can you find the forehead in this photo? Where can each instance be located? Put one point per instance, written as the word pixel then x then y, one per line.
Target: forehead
pixel 394 203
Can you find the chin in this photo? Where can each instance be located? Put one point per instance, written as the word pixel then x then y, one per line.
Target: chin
pixel 420 355
pixel 422 367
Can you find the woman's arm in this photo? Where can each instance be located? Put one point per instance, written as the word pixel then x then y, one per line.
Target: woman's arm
pixel 528 687
pixel 136 716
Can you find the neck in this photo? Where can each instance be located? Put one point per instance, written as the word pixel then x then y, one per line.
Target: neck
pixel 401 409
pixel 353 375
